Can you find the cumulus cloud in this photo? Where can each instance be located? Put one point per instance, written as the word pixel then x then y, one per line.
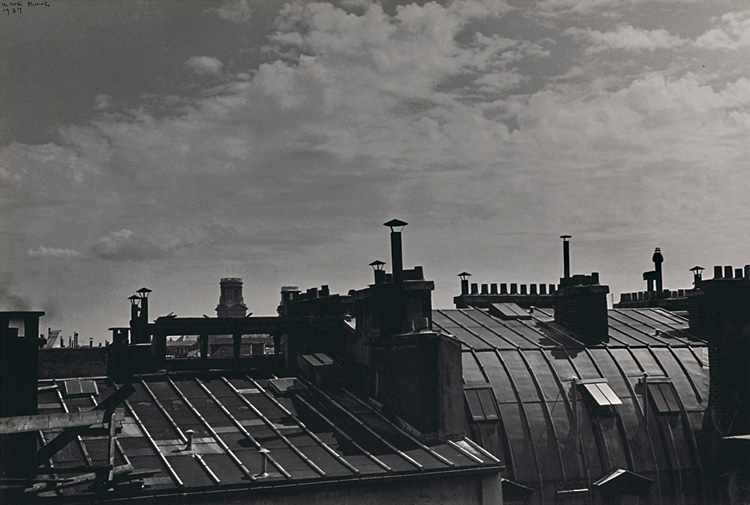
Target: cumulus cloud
pixel 627 38
pixel 236 11
pixel 732 32
pixel 205 65
pixel 53 252
pixel 124 245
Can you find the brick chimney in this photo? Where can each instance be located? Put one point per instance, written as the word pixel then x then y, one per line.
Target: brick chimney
pixel 720 314
pixel 581 307
pixel 414 372
pixel 19 364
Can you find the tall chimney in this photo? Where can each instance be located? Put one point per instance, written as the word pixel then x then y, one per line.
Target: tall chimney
pixel 566 256
pixel 658 259
pixel 397 260
pixel 19 364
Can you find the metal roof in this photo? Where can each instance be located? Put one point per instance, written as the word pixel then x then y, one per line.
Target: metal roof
pixel 571 414
pixel 313 436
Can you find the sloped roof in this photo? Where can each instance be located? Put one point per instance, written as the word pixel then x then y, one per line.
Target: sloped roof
pixel 553 433
pixel 313 437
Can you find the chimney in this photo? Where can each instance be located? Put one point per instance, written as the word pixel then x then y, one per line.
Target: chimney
pixel 566 255
pixel 581 307
pixel 231 302
pixel 697 275
pixel 464 276
pixel 658 259
pixel 719 312
pixel 397 260
pixel 19 364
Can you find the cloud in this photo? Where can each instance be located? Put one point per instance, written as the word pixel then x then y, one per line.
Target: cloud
pixel 732 32
pixel 627 38
pixel 124 245
pixel 236 11
pixel 205 65
pixel 102 102
pixel 52 252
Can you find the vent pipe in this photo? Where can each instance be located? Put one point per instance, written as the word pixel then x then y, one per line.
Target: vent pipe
pixel 396 249
pixel 658 259
pixel 566 256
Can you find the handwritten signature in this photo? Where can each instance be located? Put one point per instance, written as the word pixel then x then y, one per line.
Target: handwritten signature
pixel 17 7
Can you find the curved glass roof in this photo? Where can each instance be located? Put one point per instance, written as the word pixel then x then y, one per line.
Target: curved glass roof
pixel 571 414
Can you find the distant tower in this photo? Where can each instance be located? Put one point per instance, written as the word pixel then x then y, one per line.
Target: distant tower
pixel 231 303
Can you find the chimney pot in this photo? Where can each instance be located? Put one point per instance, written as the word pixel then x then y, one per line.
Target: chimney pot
pixel 513 288
pixel 552 289
pixel 728 272
pixel 747 271
pixel 474 288
pixel 717 272
pixel 532 289
pixel 738 273
pixel 503 288
pixel 542 289
pixel 594 277
pixel 485 289
pixel 523 289
pixel 493 288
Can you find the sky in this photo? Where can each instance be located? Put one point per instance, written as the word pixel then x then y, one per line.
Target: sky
pixel 169 144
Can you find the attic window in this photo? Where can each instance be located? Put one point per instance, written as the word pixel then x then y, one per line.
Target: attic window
pixel 286 386
pixel 664 397
pixel 601 393
pixel 78 388
pixel 482 404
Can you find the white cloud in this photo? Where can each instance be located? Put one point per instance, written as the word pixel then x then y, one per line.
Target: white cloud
pixel 236 11
pixel 627 38
pixel 124 245
pixel 52 252
pixel 732 32
pixel 102 102
pixel 205 65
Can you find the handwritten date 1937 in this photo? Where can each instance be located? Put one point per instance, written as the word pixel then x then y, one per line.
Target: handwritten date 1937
pixel 17 7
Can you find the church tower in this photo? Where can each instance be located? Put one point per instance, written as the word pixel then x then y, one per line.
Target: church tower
pixel 231 303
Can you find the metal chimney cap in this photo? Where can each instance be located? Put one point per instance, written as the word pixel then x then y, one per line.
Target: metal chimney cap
pixel 144 292
pixel 395 223
pixel 464 275
pixel 566 237
pixel 696 268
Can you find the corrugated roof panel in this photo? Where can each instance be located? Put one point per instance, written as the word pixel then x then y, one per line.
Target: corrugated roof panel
pixel 471 372
pixel 626 362
pixel 544 441
pixel 547 381
pixel 467 337
pixel 647 362
pixel 568 444
pixel 509 310
pixel 521 376
pixel 524 458
pixel 636 436
pixel 614 440
pixel 559 359
pixel 679 379
pixel 584 365
pixel 526 330
pixel 498 377
pixel 610 370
